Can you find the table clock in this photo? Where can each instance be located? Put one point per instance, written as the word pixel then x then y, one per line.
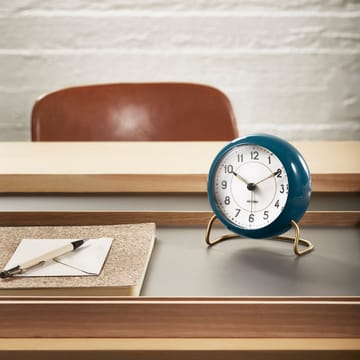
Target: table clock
pixel 259 186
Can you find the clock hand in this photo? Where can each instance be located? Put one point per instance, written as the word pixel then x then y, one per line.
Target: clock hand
pixel 268 177
pixel 252 199
pixel 239 177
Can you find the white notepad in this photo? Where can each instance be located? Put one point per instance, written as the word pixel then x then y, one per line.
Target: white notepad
pixel 86 260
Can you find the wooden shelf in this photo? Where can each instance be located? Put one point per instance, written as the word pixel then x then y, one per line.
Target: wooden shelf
pixel 150 167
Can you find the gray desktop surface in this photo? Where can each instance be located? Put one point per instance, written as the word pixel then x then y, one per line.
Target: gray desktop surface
pixel 183 265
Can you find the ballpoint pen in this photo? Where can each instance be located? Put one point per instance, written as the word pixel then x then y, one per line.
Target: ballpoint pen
pixel 39 260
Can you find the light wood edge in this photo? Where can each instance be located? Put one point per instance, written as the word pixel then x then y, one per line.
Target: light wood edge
pixel 161 218
pixel 166 344
pixel 103 183
pixel 239 300
pixel 145 183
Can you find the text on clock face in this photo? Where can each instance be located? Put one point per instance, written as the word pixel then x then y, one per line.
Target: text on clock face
pixel 250 186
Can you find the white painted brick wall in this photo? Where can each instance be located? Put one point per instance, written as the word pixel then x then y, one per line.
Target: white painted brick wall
pixel 290 67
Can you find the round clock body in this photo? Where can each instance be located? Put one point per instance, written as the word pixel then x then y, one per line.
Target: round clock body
pixel 258 184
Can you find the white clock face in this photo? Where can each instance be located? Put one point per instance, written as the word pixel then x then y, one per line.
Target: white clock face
pixel 250 186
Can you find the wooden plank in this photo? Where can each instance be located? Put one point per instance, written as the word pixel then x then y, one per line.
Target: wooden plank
pixel 323 157
pixel 102 183
pixel 331 218
pixel 161 218
pixel 166 344
pixel 328 183
pixel 150 167
pixel 144 183
pixel 180 319
pixel 154 157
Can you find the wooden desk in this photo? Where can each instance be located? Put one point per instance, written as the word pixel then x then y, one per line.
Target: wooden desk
pixel 152 167
pixel 173 327
pixel 150 176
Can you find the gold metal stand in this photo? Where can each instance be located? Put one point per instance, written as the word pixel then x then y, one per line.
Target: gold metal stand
pixel 297 240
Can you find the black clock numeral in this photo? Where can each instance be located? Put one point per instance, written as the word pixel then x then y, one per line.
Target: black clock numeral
pixel 254 155
pixel 278 173
pixel 284 188
pixel 229 169
pixel 240 157
pixel 237 212
pixel 277 204
pixel 251 218
pixel 269 159
pixel 224 184
pixel 227 200
pixel 266 215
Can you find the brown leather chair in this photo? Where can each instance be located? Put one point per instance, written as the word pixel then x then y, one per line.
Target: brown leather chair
pixel 134 111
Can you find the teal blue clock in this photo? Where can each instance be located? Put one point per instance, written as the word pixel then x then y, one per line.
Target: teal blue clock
pixel 259 186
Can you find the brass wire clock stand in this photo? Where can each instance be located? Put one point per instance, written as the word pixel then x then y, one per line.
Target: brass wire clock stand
pixel 296 239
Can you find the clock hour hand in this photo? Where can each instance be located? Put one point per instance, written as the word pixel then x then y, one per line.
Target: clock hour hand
pixel 239 177
pixel 268 177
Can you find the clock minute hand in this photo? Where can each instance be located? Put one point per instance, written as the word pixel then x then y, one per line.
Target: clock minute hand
pixel 268 177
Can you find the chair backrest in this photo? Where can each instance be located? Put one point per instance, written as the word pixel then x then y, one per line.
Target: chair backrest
pixel 134 112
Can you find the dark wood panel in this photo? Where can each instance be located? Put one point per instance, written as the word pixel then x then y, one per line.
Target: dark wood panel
pixel 180 318
pixel 163 218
